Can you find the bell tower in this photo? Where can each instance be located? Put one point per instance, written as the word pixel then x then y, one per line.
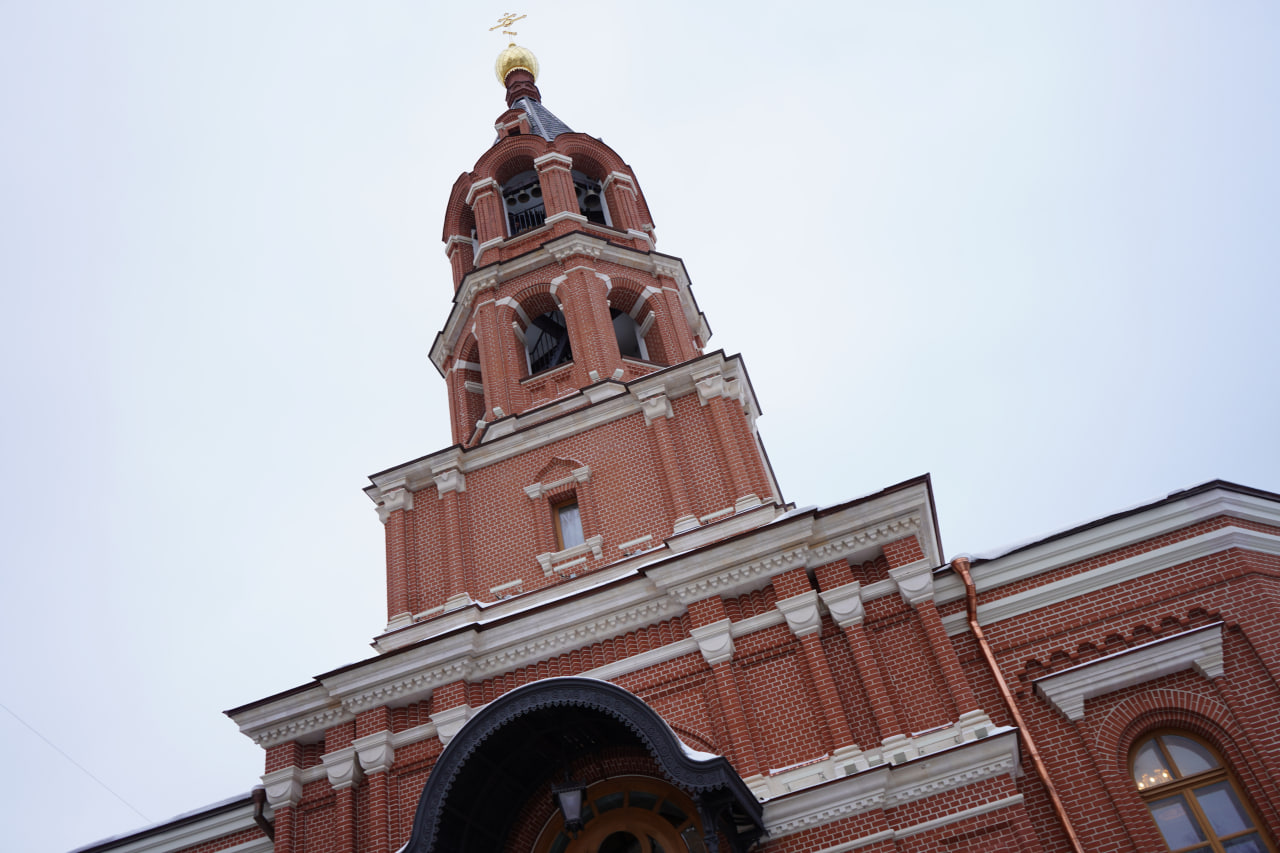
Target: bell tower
pixel 589 422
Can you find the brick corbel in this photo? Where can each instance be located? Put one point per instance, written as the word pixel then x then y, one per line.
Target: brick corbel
pixel 284 787
pixel 715 641
pixel 915 582
pixel 802 613
pixel 376 751
pixel 342 768
pixel 845 604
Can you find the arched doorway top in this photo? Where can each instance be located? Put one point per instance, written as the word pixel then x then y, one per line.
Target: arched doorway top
pixel 519 742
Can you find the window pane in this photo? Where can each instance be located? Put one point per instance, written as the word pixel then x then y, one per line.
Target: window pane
pixel 1223 808
pixel 1175 822
pixel 1149 768
pixel 570 525
pixel 1250 843
pixel 1190 757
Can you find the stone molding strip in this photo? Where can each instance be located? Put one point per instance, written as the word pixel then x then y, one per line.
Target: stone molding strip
pixel 1199 649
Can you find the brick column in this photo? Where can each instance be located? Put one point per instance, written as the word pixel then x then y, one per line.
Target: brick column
pixel 449 481
pixel 716 643
pixel 284 790
pixel 556 179
pixel 392 512
pixel 449 710
pixel 805 621
pixel 461 255
pixel 344 774
pixel 915 584
pixel 845 604
pixel 584 296
pixel 486 204
pixel 711 391
pixel 621 197
pixel 377 755
pixel 493 362
pixel 657 410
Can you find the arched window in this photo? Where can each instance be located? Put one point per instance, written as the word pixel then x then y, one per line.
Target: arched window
pixel 522 198
pixel 1192 797
pixel 547 342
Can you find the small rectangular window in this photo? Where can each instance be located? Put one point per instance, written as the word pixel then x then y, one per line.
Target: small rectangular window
pixel 568 524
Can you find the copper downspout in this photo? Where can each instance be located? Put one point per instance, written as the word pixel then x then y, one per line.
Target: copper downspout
pixel 961 567
pixel 259 804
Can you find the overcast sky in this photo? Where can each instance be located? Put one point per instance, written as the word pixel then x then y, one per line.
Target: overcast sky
pixel 1029 247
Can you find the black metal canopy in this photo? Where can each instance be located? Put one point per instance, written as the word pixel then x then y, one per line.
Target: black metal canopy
pixel 518 743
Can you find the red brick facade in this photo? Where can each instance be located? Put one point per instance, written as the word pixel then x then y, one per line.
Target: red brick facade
pixel 827 654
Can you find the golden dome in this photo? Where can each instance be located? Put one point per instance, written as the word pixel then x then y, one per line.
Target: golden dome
pixel 514 57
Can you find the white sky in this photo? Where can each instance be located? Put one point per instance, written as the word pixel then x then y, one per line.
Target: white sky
pixel 1029 247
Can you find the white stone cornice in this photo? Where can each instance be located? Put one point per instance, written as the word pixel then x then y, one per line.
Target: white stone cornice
pixel 715 641
pixel 739 578
pixel 1064 549
pixel 802 613
pixel 377 752
pixel 575 635
pixel 863 539
pixel 342 768
pixel 1094 580
pixel 450 721
pixel 575 244
pixel 845 604
pixel 1199 649
pixel 915 582
pixel 303 727
pixel 284 787
pixel 888 786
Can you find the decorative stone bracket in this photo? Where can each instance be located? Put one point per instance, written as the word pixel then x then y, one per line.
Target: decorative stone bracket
pixel 1199 649
pixel 342 768
pixel 449 480
pixel 845 604
pixel 714 384
pixel 398 498
pixel 715 641
pixel 802 613
pixel 655 404
pixel 915 582
pixel 284 787
pixel 376 752
pixel 450 721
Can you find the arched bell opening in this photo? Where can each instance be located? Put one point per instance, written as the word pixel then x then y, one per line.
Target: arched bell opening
pixel 591 203
pixel 491 789
pixel 630 337
pixel 523 203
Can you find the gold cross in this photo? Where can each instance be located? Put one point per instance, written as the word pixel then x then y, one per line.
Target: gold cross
pixel 507 20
